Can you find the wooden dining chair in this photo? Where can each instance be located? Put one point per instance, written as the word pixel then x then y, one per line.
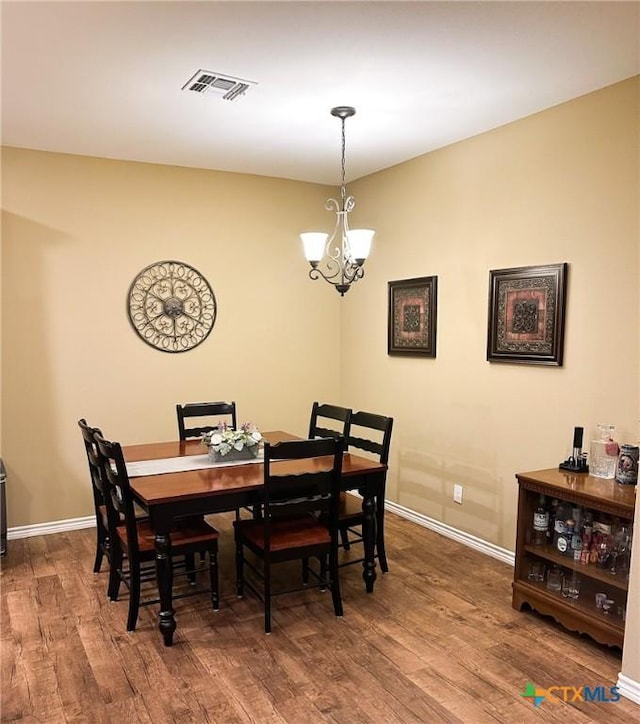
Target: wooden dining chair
pixel 329 421
pixel 371 433
pixel 222 411
pixel 132 540
pixel 297 487
pixel 99 508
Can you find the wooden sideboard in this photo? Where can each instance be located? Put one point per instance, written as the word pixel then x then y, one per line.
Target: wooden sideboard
pixel 606 499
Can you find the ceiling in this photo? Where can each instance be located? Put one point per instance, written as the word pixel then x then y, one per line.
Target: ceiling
pixel 105 78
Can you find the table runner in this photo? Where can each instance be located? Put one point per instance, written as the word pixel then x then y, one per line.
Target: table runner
pixel 181 464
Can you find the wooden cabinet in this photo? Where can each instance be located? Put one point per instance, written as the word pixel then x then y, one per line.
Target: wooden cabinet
pixel 594 494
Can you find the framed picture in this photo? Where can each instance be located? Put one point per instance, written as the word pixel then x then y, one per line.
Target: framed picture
pixel 412 317
pixel 526 315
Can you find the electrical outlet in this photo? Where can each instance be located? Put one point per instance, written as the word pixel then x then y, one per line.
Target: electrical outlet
pixel 457 493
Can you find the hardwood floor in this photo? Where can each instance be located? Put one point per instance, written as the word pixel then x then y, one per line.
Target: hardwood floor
pixel 437 641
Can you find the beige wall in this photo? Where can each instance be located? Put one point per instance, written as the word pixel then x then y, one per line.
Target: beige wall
pixel 75 232
pixel 559 186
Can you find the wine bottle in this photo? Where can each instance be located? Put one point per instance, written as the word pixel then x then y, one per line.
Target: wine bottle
pixel 540 522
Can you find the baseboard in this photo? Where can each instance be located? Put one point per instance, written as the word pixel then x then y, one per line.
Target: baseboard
pixel 629 688
pixel 502 554
pixel 56 526
pixel 489 549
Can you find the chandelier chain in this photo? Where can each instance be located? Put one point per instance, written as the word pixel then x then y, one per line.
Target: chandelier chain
pixel 343 191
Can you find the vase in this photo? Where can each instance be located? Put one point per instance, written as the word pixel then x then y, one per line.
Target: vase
pixel 247 453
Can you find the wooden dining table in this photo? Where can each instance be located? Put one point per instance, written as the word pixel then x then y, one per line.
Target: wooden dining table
pixel 168 496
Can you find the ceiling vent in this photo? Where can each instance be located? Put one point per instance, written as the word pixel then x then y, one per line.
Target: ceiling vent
pixel 207 81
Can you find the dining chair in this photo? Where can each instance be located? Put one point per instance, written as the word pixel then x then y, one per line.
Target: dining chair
pixel 297 487
pixel 371 433
pixel 132 540
pixel 329 421
pixel 100 510
pixel 223 411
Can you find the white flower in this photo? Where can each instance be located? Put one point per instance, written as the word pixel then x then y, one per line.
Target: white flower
pixel 224 440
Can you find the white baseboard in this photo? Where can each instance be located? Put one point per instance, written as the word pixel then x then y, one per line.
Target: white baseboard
pixel 489 549
pixel 56 526
pixel 629 688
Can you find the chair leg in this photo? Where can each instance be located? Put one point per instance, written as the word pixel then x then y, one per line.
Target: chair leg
pixel 239 569
pixel 190 564
pixel 134 596
pixel 323 573
pixel 305 571
pixel 335 583
pixel 114 574
pixel 213 575
pixel 344 538
pixel 382 555
pixel 267 598
pixel 101 543
pixel 380 550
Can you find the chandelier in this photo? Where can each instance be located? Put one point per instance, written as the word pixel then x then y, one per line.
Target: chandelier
pixel 340 259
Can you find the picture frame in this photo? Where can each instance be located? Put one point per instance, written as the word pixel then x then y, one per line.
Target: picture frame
pixel 412 317
pixel 527 314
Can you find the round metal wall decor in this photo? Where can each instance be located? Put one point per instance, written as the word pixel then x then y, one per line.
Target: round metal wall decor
pixel 171 306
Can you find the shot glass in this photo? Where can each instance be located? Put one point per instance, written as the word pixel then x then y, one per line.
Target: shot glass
pixel 600 599
pixel 607 605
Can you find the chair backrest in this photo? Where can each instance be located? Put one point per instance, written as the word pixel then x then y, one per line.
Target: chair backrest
pixel 377 444
pixel 117 491
pixel 92 459
pixel 204 409
pixel 297 481
pixel 329 412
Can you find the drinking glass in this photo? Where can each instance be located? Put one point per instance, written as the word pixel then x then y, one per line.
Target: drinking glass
pixel 554 579
pixel 571 586
pixel 536 571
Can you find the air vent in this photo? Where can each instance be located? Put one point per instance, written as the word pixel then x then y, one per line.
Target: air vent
pixel 226 86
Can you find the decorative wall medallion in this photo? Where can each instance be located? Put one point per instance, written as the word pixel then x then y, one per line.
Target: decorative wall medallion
pixel 171 306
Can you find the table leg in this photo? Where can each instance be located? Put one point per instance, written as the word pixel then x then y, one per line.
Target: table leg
pixel 164 576
pixel 369 540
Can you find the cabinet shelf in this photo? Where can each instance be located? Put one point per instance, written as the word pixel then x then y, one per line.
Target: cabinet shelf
pixel 588 571
pixel 582 615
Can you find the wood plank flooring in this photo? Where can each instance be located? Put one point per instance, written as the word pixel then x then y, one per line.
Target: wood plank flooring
pixel 437 641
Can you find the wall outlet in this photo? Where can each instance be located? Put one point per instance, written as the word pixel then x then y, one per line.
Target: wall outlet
pixel 457 493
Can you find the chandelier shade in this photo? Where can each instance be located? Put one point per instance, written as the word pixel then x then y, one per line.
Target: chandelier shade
pixel 339 258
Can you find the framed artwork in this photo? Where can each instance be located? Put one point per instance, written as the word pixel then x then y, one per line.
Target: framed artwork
pixel 412 317
pixel 526 315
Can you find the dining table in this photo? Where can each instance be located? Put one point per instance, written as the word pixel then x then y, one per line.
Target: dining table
pixel 173 480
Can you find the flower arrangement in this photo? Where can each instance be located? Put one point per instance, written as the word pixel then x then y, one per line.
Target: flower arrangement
pixel 224 440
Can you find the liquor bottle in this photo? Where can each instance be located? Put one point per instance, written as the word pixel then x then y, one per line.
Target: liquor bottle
pixel 540 522
pixel 586 541
pixel 563 514
pixel 553 511
pixel 563 543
